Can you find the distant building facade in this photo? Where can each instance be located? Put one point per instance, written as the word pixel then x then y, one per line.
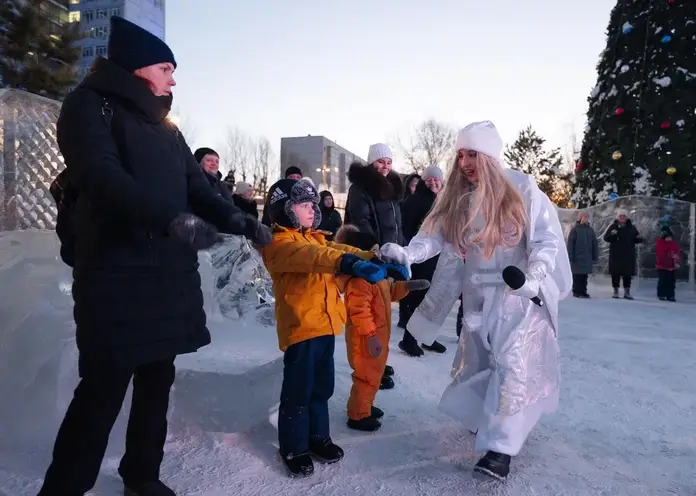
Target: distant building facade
pixel 94 18
pixel 325 162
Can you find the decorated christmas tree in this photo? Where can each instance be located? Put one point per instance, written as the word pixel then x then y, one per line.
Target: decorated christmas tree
pixel 640 137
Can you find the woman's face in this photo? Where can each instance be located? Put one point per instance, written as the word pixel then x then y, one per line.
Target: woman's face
pixel 383 165
pixel 412 185
pixel 434 184
pixel 466 160
pixel 328 201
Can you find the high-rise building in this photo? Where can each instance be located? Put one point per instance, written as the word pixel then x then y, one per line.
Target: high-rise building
pixel 94 18
pixel 321 159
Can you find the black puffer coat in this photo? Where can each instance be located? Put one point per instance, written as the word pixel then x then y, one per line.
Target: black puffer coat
pixel 219 187
pixel 136 290
pixel 373 203
pixel 622 248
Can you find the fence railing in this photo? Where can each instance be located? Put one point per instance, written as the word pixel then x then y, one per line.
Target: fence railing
pixel 29 160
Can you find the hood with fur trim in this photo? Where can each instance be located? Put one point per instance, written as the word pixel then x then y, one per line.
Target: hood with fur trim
pixel 374 183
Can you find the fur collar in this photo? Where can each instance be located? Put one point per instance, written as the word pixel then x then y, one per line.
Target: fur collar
pixel 374 183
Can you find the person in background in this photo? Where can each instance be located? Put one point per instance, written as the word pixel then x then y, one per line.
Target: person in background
pixel 229 181
pixel 210 161
pixel 583 252
pixel 243 198
pixel 136 287
pixel 667 256
pixel 292 172
pixel 622 237
pixel 410 183
pixel 330 218
pixel 414 209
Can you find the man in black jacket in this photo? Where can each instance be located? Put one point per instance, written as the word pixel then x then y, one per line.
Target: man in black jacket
pixel 137 291
pixel 210 162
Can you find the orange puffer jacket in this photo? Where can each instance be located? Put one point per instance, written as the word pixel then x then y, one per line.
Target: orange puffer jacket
pixel 369 305
pixel 302 265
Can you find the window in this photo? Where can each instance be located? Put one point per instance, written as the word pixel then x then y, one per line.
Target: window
pixel 74 2
pixel 102 32
pixel 102 14
pixel 88 16
pixel 88 51
pixel 115 12
pixel 74 16
pixel 101 50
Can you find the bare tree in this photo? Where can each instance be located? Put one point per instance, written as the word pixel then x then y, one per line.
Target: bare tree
pixel 261 158
pixel 238 153
pixel 429 143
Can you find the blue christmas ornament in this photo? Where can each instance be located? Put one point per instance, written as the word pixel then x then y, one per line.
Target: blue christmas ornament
pixel 627 28
pixel 613 196
pixel 666 39
pixel 665 219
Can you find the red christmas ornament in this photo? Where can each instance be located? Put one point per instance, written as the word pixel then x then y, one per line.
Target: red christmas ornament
pixel 619 111
pixel 665 125
pixel 670 1
pixel 580 166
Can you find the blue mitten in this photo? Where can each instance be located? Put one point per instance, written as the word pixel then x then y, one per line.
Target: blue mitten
pixel 397 272
pixel 352 265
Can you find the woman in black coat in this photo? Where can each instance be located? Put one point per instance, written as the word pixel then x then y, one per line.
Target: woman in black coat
pixel 622 237
pixel 136 289
pixel 330 218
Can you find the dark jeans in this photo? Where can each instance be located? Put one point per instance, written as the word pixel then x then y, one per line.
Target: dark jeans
pixel 308 383
pixel 580 284
pixel 84 434
pixel 616 280
pixel 666 283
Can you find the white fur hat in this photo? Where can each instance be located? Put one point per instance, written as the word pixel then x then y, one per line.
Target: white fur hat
pixel 377 151
pixel 481 137
pixel 242 188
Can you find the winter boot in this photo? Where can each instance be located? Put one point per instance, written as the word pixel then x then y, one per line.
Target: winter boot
pixel 156 488
pixel 662 298
pixel 411 348
pixel 671 298
pixel 376 413
pixel 389 371
pixel 616 294
pixel 386 383
pixel 325 450
pixel 494 464
pixel 627 294
pixel 435 347
pixel 367 424
pixel 298 465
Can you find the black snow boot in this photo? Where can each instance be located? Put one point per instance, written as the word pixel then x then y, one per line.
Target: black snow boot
pixel 615 295
pixel 671 298
pixel 298 465
pixel 376 412
pixel 389 371
pixel 435 347
pixel 326 451
pixel 627 294
pixel 156 488
pixel 386 382
pixel 409 345
pixel 367 424
pixel 494 464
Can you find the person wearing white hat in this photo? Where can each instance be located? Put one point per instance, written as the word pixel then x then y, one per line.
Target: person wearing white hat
pixel 506 366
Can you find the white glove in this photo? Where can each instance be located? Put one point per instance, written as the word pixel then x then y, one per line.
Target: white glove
pixel 395 253
pixel 536 272
pixel 529 289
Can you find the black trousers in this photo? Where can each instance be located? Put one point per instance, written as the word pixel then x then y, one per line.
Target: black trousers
pixel 84 434
pixel 666 282
pixel 616 280
pixel 460 316
pixel 580 284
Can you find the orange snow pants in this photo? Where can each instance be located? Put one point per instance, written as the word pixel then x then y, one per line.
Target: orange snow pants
pixel 367 371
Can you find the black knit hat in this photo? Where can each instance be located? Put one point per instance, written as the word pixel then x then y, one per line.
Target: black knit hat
pixel 133 47
pixel 288 192
pixel 292 170
pixel 202 152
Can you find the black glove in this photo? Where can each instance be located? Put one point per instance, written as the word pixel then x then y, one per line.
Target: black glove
pixel 194 231
pixel 262 235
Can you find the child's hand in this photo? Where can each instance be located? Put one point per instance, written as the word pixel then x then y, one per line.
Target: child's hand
pixel 397 272
pixel 374 347
pixel 418 284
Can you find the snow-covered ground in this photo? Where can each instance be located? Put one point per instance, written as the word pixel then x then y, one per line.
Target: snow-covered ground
pixel 626 425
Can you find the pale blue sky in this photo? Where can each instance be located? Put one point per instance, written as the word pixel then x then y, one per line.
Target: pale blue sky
pixel 360 71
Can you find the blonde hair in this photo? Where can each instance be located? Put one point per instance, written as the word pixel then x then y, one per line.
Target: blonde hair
pixel 499 203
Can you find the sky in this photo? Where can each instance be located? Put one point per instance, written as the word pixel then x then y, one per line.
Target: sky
pixel 366 71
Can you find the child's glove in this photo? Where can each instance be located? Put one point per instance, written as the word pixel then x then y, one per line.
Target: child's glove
pixel 352 265
pixel 397 272
pixel 194 231
pixel 374 347
pixel 417 284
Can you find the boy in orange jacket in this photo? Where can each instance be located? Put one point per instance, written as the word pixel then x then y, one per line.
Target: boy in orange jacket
pixel 309 313
pixel 368 331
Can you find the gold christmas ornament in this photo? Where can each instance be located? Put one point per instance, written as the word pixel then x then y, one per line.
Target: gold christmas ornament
pixel 617 155
pixel 671 171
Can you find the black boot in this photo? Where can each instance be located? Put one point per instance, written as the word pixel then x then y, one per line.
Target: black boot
pixel 298 465
pixel 627 294
pixel 326 451
pixel 156 488
pixel 386 383
pixel 367 424
pixel 435 347
pixel 615 294
pixel 410 346
pixel 376 413
pixel 494 464
pixel 389 371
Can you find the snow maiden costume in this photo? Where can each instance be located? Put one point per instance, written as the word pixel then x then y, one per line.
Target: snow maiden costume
pixel 506 371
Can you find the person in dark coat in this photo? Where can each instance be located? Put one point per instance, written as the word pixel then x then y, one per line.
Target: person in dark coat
pixel 414 209
pixel 583 252
pixel 136 287
pixel 373 206
pixel 330 218
pixel 244 199
pixel 210 162
pixel 410 183
pixel 291 172
pixel 622 237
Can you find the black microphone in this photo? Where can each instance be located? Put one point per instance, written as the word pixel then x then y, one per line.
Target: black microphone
pixel 515 278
